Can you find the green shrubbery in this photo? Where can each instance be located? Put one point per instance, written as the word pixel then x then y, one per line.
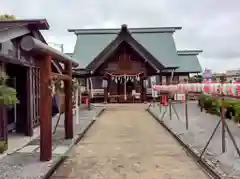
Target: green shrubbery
pixel 3 146
pixel 213 105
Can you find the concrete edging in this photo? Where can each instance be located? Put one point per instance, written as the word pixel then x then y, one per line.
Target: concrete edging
pixel 62 158
pixel 205 164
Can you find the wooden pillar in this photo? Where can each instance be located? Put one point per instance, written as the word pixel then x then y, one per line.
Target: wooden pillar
pixel 45 109
pixel 29 123
pixel 160 79
pixel 143 90
pixel 106 91
pixel 109 85
pixel 68 122
pixel 168 79
pixel 160 83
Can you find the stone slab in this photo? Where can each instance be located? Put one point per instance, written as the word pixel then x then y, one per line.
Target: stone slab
pixel 60 150
pixel 28 149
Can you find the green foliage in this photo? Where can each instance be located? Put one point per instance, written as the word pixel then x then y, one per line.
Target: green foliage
pixel 7 17
pixel 3 146
pixel 196 79
pixel 223 78
pixel 210 104
pixel 59 85
pixel 8 95
pixel 214 105
pixel 75 84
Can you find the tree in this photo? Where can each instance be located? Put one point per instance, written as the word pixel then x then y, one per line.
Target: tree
pixel 7 17
pixel 223 79
pixel 196 79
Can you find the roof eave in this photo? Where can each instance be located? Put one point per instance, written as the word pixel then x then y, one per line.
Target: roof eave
pixel 40 24
pixel 194 71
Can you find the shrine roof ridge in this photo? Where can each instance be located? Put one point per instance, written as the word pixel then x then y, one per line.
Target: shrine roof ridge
pixel 189 52
pixel 132 30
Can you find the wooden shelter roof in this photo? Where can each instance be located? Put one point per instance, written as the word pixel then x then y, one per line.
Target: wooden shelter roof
pixel 40 24
pixel 11 29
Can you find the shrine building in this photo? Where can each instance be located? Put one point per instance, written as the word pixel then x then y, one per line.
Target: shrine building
pixel 116 65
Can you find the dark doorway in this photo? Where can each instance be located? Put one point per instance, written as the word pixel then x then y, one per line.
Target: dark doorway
pixel 129 87
pixel 17 115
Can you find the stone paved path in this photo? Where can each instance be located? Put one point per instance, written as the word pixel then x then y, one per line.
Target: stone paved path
pixel 127 143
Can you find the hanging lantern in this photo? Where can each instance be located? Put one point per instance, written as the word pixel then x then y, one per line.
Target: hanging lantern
pixel 104 83
pixel 138 78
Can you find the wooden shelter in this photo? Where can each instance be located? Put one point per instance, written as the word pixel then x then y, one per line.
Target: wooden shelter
pixel 120 62
pixel 44 54
pixel 37 65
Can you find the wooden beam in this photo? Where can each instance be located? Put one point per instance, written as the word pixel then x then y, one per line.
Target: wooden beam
pixel 31 44
pixel 68 123
pixel 61 76
pixel 45 109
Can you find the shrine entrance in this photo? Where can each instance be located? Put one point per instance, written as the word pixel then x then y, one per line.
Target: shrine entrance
pixel 124 88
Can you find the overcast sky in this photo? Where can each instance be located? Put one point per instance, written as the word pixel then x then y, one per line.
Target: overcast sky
pixel 210 25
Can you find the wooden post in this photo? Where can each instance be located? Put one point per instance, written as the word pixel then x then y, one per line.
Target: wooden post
pixel 160 83
pixel 186 109
pixel 45 109
pixel 77 105
pixel 143 90
pixel 105 89
pixel 160 79
pixel 68 122
pixel 29 123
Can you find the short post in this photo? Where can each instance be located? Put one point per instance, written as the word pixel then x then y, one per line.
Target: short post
pixel 222 117
pixel 186 109
pixel 77 108
pixel 160 103
pixel 223 127
pixel 170 106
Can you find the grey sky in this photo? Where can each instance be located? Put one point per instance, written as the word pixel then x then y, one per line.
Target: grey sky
pixel 210 25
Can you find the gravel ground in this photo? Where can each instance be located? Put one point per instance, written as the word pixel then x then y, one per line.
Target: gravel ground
pixel 126 142
pixel 201 126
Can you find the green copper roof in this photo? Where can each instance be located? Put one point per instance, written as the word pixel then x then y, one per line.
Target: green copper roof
pixel 88 46
pixel 189 61
pixel 158 41
pixel 160 45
